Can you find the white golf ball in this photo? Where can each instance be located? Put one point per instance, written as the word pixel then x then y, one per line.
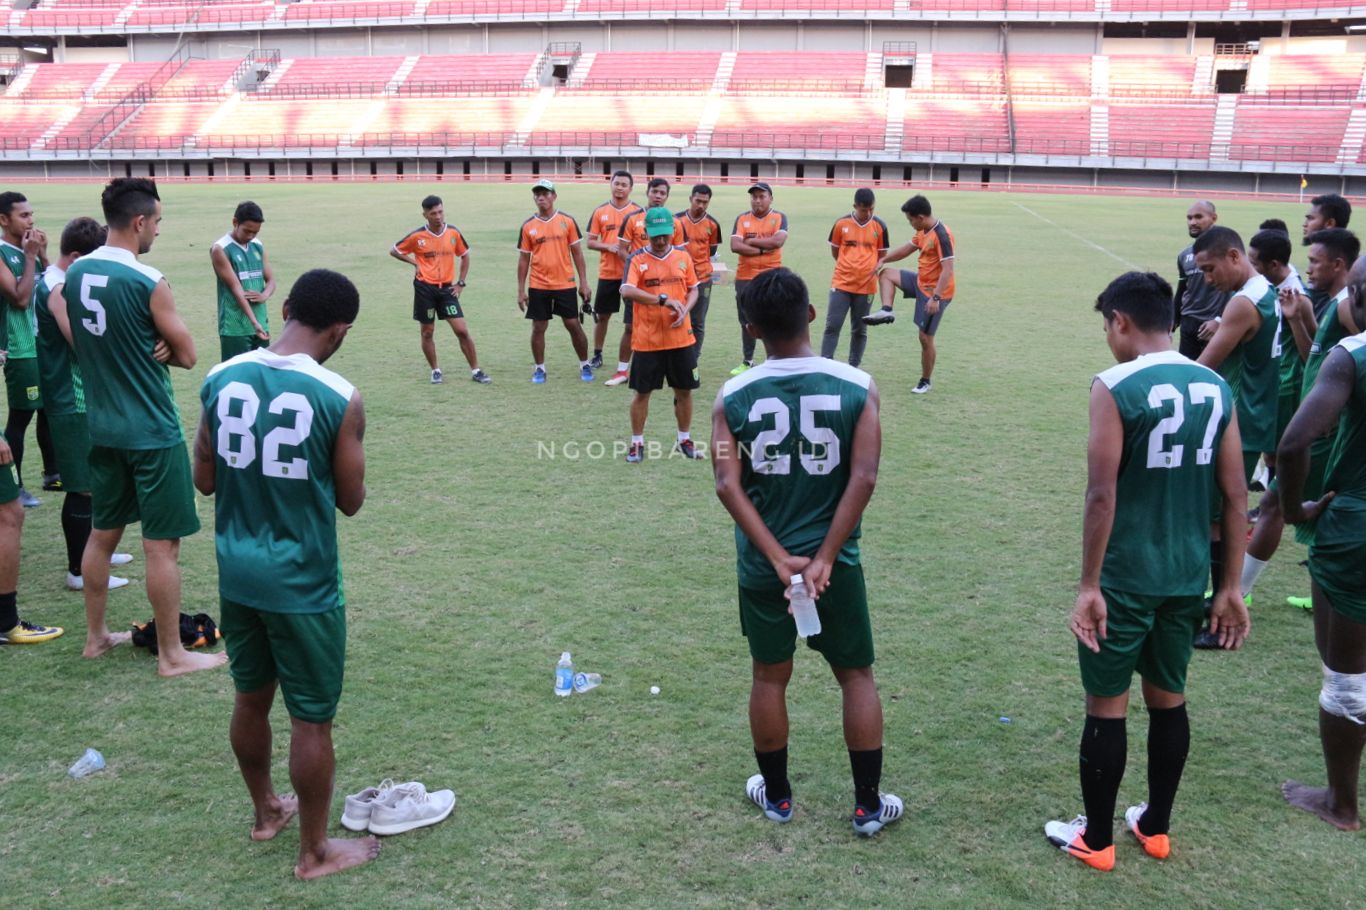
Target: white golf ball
pixel 654 690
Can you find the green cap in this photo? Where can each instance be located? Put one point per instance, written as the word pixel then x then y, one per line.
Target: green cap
pixel 543 184
pixel 659 222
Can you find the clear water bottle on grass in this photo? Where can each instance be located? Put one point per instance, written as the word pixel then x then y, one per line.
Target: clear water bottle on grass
pixel 87 764
pixel 564 675
pixel 803 608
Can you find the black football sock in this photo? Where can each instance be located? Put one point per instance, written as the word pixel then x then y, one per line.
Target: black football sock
pixel 597 352
pixel 76 511
pixel 9 611
pixel 1104 746
pixel 1169 739
pixel 16 427
pixel 44 435
pixel 773 766
pixel 867 768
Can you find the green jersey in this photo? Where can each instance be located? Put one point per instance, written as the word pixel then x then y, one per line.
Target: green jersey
pixel 108 300
pixel 1291 364
pixel 793 420
pixel 1252 370
pixel 1346 472
pixel 14 261
pixel 274 422
pixel 1174 413
pixel 59 376
pixel 1331 331
pixel 249 262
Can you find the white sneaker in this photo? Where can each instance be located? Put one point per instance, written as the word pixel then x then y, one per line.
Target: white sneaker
pixel 120 559
pixel 77 582
pixel 356 815
pixel 410 806
pixel 868 824
pixel 436 377
pixel 757 791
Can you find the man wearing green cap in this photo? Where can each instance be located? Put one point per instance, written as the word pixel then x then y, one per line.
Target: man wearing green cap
pixel 551 255
pixel 661 285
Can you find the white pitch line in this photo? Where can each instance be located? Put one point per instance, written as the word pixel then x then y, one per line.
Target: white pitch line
pixel 1073 234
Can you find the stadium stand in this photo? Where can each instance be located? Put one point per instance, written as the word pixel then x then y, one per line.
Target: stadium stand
pixel 626 72
pixel 800 122
pixel 1161 130
pixel 1287 133
pixel 763 71
pixel 1063 75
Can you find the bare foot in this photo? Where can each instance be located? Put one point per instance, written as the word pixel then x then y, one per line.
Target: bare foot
pixel 273 820
pixel 339 853
pixel 95 645
pixel 188 662
pixel 1316 800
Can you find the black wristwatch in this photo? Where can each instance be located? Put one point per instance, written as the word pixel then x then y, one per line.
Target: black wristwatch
pixel 663 299
pixel 460 283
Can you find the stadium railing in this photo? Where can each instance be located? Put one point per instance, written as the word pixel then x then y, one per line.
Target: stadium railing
pixel 455 88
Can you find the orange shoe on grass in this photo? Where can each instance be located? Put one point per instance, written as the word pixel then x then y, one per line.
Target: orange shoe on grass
pixel 1158 846
pixel 1067 837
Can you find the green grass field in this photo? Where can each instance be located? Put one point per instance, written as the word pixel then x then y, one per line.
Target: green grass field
pixel 477 559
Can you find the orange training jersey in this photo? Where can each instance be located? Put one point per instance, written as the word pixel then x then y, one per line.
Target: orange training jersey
pixel 936 248
pixel 435 253
pixel 700 239
pixel 652 326
pixel 634 232
pixel 749 226
pixel 548 241
pixel 605 225
pixel 860 246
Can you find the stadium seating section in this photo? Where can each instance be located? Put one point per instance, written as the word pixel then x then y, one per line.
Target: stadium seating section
pixel 1298 109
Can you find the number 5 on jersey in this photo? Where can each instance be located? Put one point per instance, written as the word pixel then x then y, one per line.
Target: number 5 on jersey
pixel 96 322
pixel 237 437
pixel 819 451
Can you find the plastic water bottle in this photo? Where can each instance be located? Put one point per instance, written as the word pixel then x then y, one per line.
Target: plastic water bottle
pixel 585 681
pixel 564 675
pixel 87 764
pixel 804 608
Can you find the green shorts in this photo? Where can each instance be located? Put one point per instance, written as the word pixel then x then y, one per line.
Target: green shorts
pixel 1313 484
pixel 9 481
pixel 1151 633
pixel 21 381
pixel 1337 558
pixel 229 346
pixel 71 440
pixel 846 638
pixel 304 652
pixel 148 485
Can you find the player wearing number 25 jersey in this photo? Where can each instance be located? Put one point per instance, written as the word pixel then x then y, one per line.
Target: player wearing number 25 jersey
pixel 796 443
pixel 1163 440
pixel 280 448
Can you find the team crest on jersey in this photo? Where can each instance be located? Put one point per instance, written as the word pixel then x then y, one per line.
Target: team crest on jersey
pixel 422 241
pixel 32 392
pixel 531 231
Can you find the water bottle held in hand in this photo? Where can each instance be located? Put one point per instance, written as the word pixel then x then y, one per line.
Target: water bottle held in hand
pixel 564 675
pixel 87 764
pixel 803 608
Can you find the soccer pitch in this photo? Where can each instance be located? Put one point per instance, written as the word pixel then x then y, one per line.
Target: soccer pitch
pixel 484 551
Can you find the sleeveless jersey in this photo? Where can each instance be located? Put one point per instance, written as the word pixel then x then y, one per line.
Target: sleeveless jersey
pixel 19 324
pixel 1346 473
pixel 793 420
pixel 249 263
pixel 1291 366
pixel 1331 331
pixel 1174 413
pixel 59 376
pixel 1252 370
pixel 14 261
pixel 129 400
pixel 273 422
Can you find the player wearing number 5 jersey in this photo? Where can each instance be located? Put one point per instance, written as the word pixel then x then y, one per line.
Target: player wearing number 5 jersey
pixel 1163 444
pixel 280 448
pixel 796 443
pixel 125 329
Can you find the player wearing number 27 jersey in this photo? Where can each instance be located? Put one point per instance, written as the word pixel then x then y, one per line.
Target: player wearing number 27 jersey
pixel 1163 443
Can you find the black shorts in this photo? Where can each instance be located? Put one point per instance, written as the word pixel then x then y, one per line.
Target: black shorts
pixel 542 305
pixel 650 369
pixel 607 298
pixel 435 301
